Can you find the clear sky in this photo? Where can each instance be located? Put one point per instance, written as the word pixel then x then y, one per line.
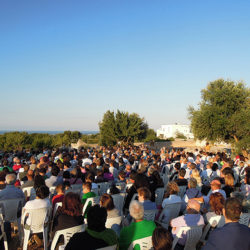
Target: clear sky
pixel 64 63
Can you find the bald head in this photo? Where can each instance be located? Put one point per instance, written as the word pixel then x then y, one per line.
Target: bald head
pixel 193 206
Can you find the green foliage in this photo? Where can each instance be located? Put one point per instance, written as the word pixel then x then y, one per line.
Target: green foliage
pixel 223 114
pixel 151 136
pixel 19 140
pixel 91 139
pixel 123 127
pixel 180 135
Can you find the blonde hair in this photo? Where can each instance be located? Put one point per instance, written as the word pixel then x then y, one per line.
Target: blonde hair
pixel 196 176
pixel 172 188
pixel 229 180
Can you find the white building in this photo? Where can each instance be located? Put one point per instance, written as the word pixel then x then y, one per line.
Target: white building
pixel 167 131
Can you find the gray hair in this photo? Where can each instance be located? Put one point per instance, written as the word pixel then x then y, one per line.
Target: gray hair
pixel 136 210
pixel 10 179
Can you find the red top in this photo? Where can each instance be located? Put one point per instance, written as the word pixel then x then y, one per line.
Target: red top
pixel 17 167
pixel 57 198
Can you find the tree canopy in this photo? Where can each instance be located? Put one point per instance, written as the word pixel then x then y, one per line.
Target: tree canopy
pixel 223 114
pixel 123 127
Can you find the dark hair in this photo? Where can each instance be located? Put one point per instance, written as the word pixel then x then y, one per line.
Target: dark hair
pixel 132 175
pixel 90 177
pixel 177 165
pixel 144 192
pixel 66 175
pixel 247 178
pixel 162 239
pixel 39 181
pixel 87 185
pixel 106 201
pixel 71 204
pixel 182 172
pixel 141 180
pixel 55 170
pixel 233 209
pixel 2 176
pixel 158 179
pixel 42 192
pixel 216 202
pixel 96 218
pixel 215 167
pixel 114 190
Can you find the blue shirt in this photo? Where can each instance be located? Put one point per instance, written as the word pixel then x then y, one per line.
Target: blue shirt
pixel 11 192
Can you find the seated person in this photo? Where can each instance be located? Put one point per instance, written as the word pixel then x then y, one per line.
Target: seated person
pixel 192 218
pixel 192 191
pixel 90 178
pixel 162 239
pixel 229 184
pixel 232 235
pixel 136 230
pixel 107 202
pixel 171 195
pixel 75 176
pixel 181 181
pixel 30 180
pixel 86 189
pixel 69 215
pixel 216 202
pixel 59 196
pixel 95 235
pixel 144 197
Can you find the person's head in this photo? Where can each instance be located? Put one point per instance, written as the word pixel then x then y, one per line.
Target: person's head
pixel 182 173
pixel 71 204
pixel 141 180
pixel 86 187
pixel 42 171
pixel 38 181
pixel 162 239
pixel 196 175
pixel 26 168
pixel 172 188
pixel 209 165
pixel 215 185
pixel 42 192
pixel 143 194
pixel 106 201
pixel 10 179
pixel 30 175
pixel 193 207
pixel 192 183
pixel 90 177
pixel 136 210
pixel 66 175
pixel 60 189
pixel 177 166
pixel 122 175
pixel 216 202
pixel 232 210
pixel 33 160
pixel 132 177
pixel 96 218
pixel 2 177
pixel 151 170
pixel 229 180
pixel 55 171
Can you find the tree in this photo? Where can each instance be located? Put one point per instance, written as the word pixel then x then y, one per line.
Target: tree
pixel 121 126
pixel 223 114
pixel 180 135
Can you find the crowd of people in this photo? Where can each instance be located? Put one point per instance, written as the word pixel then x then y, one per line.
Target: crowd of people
pixel 203 185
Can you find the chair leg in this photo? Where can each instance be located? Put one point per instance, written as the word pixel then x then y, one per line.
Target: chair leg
pixel 26 239
pixel 20 232
pixel 45 237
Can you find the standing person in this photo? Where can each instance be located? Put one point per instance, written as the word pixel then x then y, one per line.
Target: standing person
pixel 232 235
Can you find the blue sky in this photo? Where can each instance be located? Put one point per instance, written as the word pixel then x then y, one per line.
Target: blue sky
pixel 64 63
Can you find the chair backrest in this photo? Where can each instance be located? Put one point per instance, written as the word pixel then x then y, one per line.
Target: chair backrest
pixel 27 191
pixel 52 189
pixel 193 236
pixel 169 212
pixel 118 201
pixel 67 234
pixel 95 190
pixel 57 205
pixel 102 187
pixel 10 208
pixel 36 220
pixel 144 243
pixel 92 201
pixel 182 191
pixel 159 193
pixel 150 214
pixel 112 221
pixel 76 186
pixel 108 248
pixel 244 219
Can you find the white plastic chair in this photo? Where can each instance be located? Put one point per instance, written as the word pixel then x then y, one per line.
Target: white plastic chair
pixel 57 205
pixel 95 190
pixel 93 201
pixel 10 209
pixel 67 234
pixel 108 248
pixel 3 234
pixel 215 221
pixel 150 214
pixel 36 221
pixel 244 219
pixel 159 193
pixel 102 187
pixel 169 212
pixel 144 243
pixel 193 236
pixel 27 191
pixel 112 221
pixel 119 201
pixel 182 191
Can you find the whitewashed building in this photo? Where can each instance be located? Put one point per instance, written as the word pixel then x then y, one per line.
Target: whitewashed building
pixel 167 131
